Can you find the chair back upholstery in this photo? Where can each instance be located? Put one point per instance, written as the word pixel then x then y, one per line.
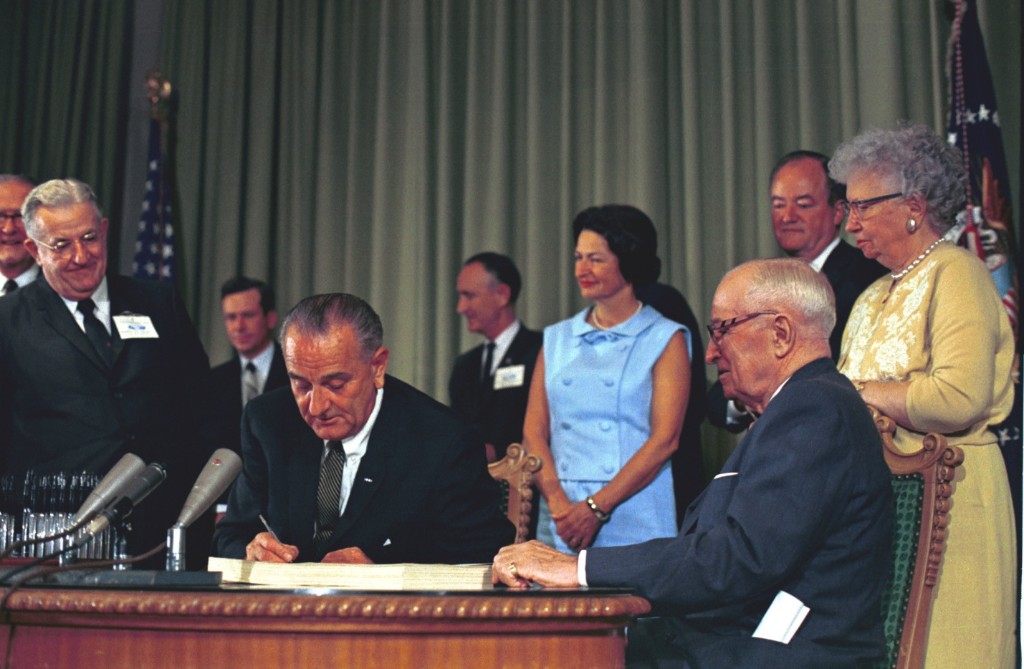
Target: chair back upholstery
pixel 515 474
pixel 922 484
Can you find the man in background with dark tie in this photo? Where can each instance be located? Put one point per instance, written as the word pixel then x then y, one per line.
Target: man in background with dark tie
pixel 258 366
pixel 17 267
pixel 353 465
pixel 95 366
pixel 490 383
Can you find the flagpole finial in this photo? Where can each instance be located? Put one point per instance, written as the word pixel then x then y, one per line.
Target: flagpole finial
pixel 158 91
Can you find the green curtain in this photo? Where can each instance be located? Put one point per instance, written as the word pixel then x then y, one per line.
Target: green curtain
pixel 64 92
pixel 369 146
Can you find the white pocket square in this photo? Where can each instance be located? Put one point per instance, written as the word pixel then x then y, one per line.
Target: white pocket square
pixel 725 474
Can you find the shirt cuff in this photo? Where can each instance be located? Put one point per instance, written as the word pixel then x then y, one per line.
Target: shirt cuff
pixel 581 568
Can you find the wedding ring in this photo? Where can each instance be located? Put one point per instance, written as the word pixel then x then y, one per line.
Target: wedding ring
pixel 512 569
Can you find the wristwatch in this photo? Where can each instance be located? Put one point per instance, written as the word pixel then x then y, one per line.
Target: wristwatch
pixel 598 513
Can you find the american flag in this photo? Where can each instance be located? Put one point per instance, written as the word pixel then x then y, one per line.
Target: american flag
pixel 154 247
pixel 986 227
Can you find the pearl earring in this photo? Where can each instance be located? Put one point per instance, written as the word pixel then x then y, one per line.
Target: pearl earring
pixel 911 225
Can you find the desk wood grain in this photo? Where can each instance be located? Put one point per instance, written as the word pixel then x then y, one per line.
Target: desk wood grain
pixel 126 628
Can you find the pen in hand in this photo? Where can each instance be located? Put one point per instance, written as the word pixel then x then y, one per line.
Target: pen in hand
pixel 267 525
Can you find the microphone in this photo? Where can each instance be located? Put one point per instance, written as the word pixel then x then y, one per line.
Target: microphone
pixel 136 490
pixel 220 471
pixel 127 468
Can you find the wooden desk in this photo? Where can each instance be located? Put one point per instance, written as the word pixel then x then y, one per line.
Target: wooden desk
pixel 46 627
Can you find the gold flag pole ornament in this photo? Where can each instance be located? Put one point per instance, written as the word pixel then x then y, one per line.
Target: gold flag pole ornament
pixel 158 91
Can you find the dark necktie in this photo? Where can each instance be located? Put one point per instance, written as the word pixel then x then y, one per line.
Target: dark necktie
pixel 10 286
pixel 251 387
pixel 485 371
pixel 328 494
pixel 95 330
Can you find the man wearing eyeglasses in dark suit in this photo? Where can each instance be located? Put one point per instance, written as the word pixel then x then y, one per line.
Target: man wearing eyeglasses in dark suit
pixel 17 267
pixel 782 560
pixel 95 366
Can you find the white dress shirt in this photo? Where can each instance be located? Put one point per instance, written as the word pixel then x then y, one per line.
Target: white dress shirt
pixel 355 449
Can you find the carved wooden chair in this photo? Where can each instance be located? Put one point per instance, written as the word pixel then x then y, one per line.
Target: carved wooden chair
pixel 922 485
pixel 515 474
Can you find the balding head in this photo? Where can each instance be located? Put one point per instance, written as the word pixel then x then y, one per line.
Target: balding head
pixel 769 318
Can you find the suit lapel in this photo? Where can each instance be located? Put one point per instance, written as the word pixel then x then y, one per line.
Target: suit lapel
pixel 476 367
pixel 514 354
pixel 304 468
pixel 123 300
pixel 373 468
pixel 836 263
pixel 56 314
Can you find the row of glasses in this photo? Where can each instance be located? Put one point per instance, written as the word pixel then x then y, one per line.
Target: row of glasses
pixel 40 505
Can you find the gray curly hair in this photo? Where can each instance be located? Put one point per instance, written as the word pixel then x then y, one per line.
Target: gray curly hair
pixel 912 158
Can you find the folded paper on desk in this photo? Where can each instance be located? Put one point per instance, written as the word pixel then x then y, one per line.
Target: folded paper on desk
pixel 355 576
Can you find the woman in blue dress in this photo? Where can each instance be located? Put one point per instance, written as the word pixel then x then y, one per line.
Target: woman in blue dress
pixel 609 394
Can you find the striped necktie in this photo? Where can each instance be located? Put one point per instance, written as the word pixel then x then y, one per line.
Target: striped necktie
pixel 251 387
pixel 328 495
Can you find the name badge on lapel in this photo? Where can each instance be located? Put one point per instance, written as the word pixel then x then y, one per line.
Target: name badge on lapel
pixel 512 376
pixel 135 326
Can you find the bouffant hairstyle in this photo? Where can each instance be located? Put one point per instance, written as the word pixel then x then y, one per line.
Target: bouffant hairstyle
pixel 631 237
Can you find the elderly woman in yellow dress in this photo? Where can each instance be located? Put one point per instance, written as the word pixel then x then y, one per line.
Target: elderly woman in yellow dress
pixel 930 346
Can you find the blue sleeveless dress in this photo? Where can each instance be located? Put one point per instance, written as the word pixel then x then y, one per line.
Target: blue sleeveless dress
pixel 599 385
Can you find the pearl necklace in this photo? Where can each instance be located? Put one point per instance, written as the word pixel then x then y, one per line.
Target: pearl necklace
pixel 598 324
pixel 896 276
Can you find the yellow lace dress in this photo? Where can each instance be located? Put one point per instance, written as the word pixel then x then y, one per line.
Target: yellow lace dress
pixel 942 327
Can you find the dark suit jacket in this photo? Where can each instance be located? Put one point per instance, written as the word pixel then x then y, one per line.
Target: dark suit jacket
pixel 688 460
pixel 61 408
pixel 849 273
pixel 803 505
pixel 225 402
pixel 498 414
pixel 422 492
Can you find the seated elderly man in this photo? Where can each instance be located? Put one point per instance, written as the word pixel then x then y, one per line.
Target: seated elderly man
pixel 354 465
pixel 794 532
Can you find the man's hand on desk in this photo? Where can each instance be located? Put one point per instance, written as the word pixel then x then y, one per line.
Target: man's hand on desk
pixel 351 555
pixel 519 565
pixel 265 548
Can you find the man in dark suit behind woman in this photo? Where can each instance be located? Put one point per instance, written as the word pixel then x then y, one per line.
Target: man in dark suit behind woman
pixel 807 208
pixel 493 399
pixel 256 367
pixel 93 367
